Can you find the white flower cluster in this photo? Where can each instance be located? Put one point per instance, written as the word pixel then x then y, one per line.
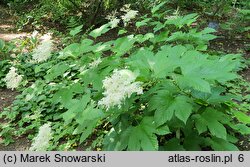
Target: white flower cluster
pixel 41 141
pixel 129 15
pixel 43 51
pixel 95 63
pixel 12 79
pixel 118 87
pixel 114 21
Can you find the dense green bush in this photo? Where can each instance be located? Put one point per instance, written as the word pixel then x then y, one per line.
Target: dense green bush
pixel 157 90
pixel 67 12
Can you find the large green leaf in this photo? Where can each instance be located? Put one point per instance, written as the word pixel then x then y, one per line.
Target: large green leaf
pixel 182 107
pixel 189 143
pixel 73 50
pixel 167 60
pixel 99 31
pixel 161 37
pixel 160 103
pixel 76 30
pixel 93 78
pixel 194 82
pixel 166 106
pixel 167 101
pixel 221 145
pixel 180 21
pixel 57 70
pixel 174 144
pixel 142 23
pixel 88 129
pixel 200 124
pixel 123 45
pixel 2 44
pixel 242 117
pixel 199 39
pixel 117 141
pixel 195 64
pixel 75 108
pixel 157 7
pixel 87 119
pixel 210 119
pixel 90 113
pixel 64 95
pixel 241 128
pixel 142 60
pixel 162 130
pixel 142 137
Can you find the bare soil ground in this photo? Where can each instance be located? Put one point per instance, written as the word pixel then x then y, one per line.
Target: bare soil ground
pixel 6 98
pixel 7 26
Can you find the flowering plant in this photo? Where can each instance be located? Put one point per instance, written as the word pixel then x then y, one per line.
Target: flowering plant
pixel 41 141
pixel 12 79
pixel 158 90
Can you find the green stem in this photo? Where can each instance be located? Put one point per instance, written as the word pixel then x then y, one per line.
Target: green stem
pixel 178 133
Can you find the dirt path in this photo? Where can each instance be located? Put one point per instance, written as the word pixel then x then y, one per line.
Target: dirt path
pixel 7 26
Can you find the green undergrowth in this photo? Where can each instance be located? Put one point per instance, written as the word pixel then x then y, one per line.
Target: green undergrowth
pixel 191 100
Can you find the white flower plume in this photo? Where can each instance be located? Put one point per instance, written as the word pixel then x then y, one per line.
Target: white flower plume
pixel 113 20
pixel 12 79
pixel 126 18
pixel 43 51
pixel 41 141
pixel 129 16
pixel 114 23
pixel 119 86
